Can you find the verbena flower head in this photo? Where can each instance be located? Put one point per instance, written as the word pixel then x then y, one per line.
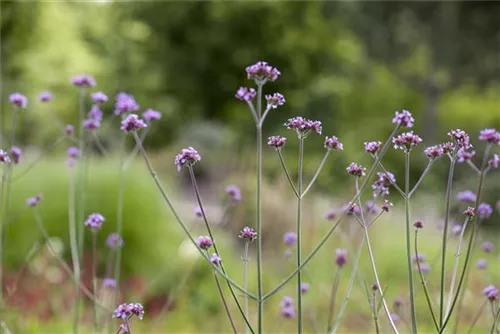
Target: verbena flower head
pixel 276 141
pixel 387 206
pixel 487 247
pixel 418 224
pixel 465 155
pixel 73 152
pixel 45 96
pixel 69 129
pixel 406 141
pixel 94 221
pixel 333 143
pixel 109 283
pixel 4 157
pixel 245 94
pixel 495 161
pixel 340 257
pixel 204 242
pixel 132 123
pixel 420 257
pixel 482 264
pixel 331 214
pixel 83 80
pixel 275 100
pixel 126 310
pixel 303 126
pixel 288 312
pixel 398 302
pixel 491 292
pixel 95 113
pixel 304 287
pixel 381 185
pixel 188 157
pixel 19 100
pixel 424 267
pixel 403 118
pixel 484 211
pixel 198 212
pixel 16 154
pixel 456 230
pixel 466 196
pixel 351 209
pixel 394 317
pixel 448 147
pixel 356 170
pixel 33 201
pixel 216 259
pixel 375 287
pixel 490 136
pixel 248 233
pixel 469 211
pixel 261 72
pixel 460 138
pixel 290 238
pixel 125 103
pixel 114 241
pixel 99 97
pixel 91 124
pixel 151 115
pixel 234 193
pixel 372 146
pixel 372 207
pixel 434 152
pixel 287 301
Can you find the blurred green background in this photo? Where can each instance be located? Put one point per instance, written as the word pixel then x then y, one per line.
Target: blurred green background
pixel 348 64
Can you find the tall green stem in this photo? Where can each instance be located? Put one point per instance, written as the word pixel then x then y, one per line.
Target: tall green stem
pixel 94 277
pixel 299 235
pixel 445 238
pixel 333 297
pixel 73 242
pixel 119 213
pixel 408 244
pixel 260 302
pixel 245 283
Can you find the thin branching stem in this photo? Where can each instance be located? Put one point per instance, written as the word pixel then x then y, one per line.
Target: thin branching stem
pixel 333 297
pixel 285 169
pixel 119 213
pixel 260 289
pixel 94 278
pixel 245 283
pixel 422 177
pixel 315 177
pixel 477 316
pixel 496 320
pixel 299 234
pixel 394 184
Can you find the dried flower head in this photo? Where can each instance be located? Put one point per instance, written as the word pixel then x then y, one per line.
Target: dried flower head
pixel 434 152
pixel 303 126
pixel 356 170
pixel 372 146
pixel 19 100
pixel 114 241
pixel 94 221
pixel 465 155
pixel 375 287
pixel 406 141
pixel 495 161
pixel 204 242
pixel 403 118
pixel 487 247
pixel 333 143
pixel 340 257
pixel 418 224
pixel 150 115
pixel 484 211
pixel 490 136
pixel 132 123
pixel 245 94
pixel 290 238
pixel 99 97
pixel 216 259
pixel 83 80
pixel 125 103
pixel 33 201
pixel 69 129
pixel 387 206
pixel 234 193
pixel 466 196
pixel 275 100
pixel 276 141
pixel 262 72
pixel 16 154
pixel 45 96
pixel 248 233
pixel 460 138
pixel 188 157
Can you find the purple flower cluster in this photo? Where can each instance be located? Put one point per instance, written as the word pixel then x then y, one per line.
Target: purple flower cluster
pixel 433 152
pixel 276 141
pixel 4 157
pixel 287 307
pixel 262 72
pixel 125 103
pixel 248 233
pixel 69 129
pixel 33 201
pixel 83 80
pixel 387 206
pixel 469 211
pixel 124 311
pixel 487 247
pixel 132 123
pixel 351 209
pixel 484 211
pixel 150 115
pixel 94 118
pixel 406 141
pixel 73 152
pixel 19 100
pixel 466 196
pixel 303 126
pixel 99 97
pixel 418 224
pixel 333 143
pixel 16 154
pixel 464 155
pixel 340 257
pixel 275 100
pixel 204 242
pixel 114 241
pixel 495 161
pixel 491 292
pixel 216 259
pixel 372 146
pixel 234 193
pixel 245 94
pixel 490 136
pixel 304 287
pixel 461 139
pixel 109 283
pixel 482 264
pixel 94 221
pixel 331 214
pixel 188 156
pixel 403 118
pixel 45 96
pixel 381 185
pixel 356 170
pixel 372 207
pixel 290 238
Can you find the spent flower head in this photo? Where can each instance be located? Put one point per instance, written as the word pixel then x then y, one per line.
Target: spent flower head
pixel 372 146
pixel 94 221
pixel 132 123
pixel 261 72
pixel 151 115
pixel 99 97
pixel 406 141
pixel 275 100
pixel 19 100
pixel 387 206
pixel 45 96
pixel 418 224
pixel 403 118
pixel 356 170
pixel 188 157
pixel 83 80
pixel 248 233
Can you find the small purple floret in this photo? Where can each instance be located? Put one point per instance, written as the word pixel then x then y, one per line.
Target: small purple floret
pixel 114 241
pixel 45 96
pixel 18 100
pixel 248 234
pixel 290 238
pixel 276 141
pixel 188 157
pixel 94 221
pixel 132 123
pixel 275 100
pixel 151 115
